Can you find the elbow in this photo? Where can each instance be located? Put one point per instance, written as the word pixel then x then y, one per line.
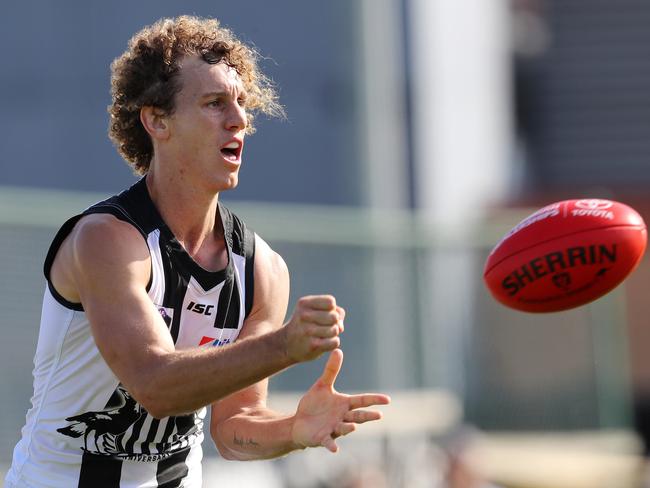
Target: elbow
pixel 225 452
pixel 154 403
pixel 160 396
pixel 159 413
pixel 159 407
pixel 154 407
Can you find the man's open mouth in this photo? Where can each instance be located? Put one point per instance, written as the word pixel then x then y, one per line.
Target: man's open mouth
pixel 232 150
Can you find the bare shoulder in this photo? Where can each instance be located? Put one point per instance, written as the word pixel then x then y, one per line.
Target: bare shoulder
pixel 103 236
pixel 99 247
pixel 271 290
pixel 269 265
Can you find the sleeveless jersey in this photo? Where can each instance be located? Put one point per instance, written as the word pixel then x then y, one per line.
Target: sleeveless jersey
pixel 84 429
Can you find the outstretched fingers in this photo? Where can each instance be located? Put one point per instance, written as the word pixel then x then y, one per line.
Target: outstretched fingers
pixel 332 367
pixel 330 444
pixel 343 428
pixel 361 416
pixel 368 399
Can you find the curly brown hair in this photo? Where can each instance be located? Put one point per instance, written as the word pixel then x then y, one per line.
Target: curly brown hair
pixel 146 74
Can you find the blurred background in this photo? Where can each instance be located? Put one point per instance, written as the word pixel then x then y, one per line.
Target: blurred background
pixel 418 132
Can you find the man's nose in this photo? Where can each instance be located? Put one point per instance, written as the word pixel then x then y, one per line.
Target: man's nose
pixel 237 118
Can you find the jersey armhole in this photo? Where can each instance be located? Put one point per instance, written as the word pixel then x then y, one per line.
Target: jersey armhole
pixel 60 236
pixel 249 247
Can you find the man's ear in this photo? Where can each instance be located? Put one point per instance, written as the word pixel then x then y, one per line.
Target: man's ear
pixel 154 121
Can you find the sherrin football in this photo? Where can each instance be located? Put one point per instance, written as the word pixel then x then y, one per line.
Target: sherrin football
pixel 565 255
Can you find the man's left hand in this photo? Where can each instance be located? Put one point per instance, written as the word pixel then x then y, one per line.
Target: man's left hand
pixel 324 414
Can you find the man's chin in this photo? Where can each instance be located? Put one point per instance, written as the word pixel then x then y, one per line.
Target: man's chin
pixel 228 184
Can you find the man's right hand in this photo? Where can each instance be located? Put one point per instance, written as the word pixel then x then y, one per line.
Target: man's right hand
pixel 314 327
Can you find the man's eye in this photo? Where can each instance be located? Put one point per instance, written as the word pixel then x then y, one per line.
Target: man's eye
pixel 215 103
pixel 241 102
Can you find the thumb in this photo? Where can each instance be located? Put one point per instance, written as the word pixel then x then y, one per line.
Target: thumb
pixel 332 368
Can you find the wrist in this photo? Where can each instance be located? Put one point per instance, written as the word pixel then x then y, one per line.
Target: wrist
pixel 294 436
pixel 282 338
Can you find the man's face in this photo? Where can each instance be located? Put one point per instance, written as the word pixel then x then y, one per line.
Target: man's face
pixel 207 127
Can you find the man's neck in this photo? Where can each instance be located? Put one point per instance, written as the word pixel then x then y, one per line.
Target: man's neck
pixel 189 213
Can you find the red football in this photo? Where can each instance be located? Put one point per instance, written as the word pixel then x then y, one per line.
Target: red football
pixel 566 254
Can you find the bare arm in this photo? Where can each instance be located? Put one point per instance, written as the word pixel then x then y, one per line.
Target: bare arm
pixel 242 426
pixel 105 264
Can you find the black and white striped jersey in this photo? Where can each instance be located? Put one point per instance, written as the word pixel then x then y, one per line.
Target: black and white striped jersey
pixel 84 429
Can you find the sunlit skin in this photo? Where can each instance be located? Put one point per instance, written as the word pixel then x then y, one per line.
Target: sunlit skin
pixel 105 264
pixel 209 113
pixel 192 163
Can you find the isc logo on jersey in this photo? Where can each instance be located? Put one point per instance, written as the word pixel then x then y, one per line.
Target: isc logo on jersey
pixel 204 309
pixel 200 308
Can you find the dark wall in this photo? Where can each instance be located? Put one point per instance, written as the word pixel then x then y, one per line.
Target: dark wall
pixel 584 103
pixel 54 90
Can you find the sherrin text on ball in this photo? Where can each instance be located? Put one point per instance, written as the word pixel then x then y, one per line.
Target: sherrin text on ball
pixel 566 254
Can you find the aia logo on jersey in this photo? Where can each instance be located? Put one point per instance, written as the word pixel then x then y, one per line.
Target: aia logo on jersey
pixel 206 340
pixel 200 308
pixel 212 341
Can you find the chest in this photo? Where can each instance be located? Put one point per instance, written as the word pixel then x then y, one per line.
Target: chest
pixel 200 308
